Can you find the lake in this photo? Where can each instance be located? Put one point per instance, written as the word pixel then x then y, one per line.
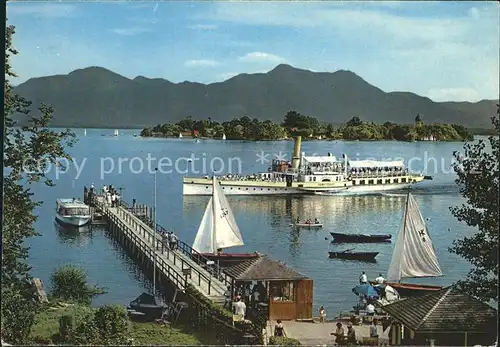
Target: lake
pixel 100 158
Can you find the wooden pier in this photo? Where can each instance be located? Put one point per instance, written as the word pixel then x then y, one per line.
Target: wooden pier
pixel 182 266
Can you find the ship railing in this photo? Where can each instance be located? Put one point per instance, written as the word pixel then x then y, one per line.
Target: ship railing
pixel 379 174
pixel 215 270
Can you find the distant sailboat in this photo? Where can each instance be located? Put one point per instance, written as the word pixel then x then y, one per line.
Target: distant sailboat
pixel 85 132
pixel 180 135
pixel 223 136
pixel 413 254
pixel 218 230
pixel 116 132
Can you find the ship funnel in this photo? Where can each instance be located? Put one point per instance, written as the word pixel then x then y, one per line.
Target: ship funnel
pixel 296 152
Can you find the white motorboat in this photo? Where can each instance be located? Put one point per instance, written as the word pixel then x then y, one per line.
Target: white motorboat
pixel 72 212
pixel 115 133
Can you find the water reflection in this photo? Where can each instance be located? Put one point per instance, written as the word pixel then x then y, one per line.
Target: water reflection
pixel 280 208
pixel 75 236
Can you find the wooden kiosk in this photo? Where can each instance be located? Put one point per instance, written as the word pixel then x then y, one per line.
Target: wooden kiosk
pixel 288 294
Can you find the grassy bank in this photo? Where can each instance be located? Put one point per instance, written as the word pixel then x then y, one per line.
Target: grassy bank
pixel 47 325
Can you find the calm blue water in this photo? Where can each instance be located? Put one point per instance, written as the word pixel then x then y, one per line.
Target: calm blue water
pixel 264 221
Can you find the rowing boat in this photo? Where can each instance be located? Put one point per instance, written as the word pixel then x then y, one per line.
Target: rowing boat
pixel 307 225
pixel 361 238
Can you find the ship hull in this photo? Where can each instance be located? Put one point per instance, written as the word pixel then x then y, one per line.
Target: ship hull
pixel 201 186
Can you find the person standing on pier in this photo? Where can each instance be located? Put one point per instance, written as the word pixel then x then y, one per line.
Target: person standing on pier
pixel 351 334
pixel 113 200
pixel 227 298
pixel 173 241
pixel 108 198
pixel 339 333
pixel 164 241
pixel 379 280
pixel 240 308
pixel 322 314
pixel 104 190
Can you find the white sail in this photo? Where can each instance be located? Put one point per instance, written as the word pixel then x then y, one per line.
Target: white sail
pixel 218 228
pixel 180 135
pixel 227 233
pixel 85 132
pixel 203 242
pixel 223 136
pixel 413 254
pixel 115 132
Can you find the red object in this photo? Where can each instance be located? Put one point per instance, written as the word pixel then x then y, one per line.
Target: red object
pixel 410 289
pixel 195 132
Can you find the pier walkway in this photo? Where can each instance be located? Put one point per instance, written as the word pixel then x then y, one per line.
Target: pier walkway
pixel 182 266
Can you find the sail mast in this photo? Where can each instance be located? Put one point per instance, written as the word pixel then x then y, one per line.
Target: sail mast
pixel 214 215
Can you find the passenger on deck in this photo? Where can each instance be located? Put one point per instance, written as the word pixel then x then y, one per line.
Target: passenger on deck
pixel 279 330
pixel 370 309
pixel 298 220
pixel 379 279
pixel 363 279
pixel 164 241
pixel 308 221
pixel 316 221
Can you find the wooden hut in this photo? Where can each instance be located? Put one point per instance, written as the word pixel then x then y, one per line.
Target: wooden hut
pixel 443 318
pixel 288 294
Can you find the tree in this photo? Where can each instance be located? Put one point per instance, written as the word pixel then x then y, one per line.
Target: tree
pixel 478 174
pixel 69 282
pixel 354 122
pixel 21 157
pixel 418 121
pixel 113 324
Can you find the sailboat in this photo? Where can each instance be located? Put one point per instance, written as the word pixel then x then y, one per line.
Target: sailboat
pixel 85 132
pixel 180 135
pixel 218 230
pixel 115 133
pixel 223 136
pixel 413 255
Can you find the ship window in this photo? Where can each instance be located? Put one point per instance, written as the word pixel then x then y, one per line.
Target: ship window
pixel 353 182
pixel 325 180
pixel 314 178
pixel 403 180
pixel 206 187
pixel 247 188
pixel 387 181
pixel 379 181
pixel 362 182
pixel 254 189
pixel 396 180
pixel 370 181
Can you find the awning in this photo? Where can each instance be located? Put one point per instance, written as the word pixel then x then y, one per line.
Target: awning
pixel 356 164
pixel 321 159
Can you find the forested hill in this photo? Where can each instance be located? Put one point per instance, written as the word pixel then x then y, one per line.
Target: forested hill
pixel 96 97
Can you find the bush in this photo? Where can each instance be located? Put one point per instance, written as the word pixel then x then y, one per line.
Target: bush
pixel 113 325
pixel 78 327
pixel 283 341
pixel 66 327
pixel 70 283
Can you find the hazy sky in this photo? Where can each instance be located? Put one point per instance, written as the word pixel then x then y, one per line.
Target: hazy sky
pixel 443 50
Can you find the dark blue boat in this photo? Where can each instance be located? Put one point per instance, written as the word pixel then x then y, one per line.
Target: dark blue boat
pixel 360 238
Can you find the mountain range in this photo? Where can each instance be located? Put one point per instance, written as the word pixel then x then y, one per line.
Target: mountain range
pixel 97 97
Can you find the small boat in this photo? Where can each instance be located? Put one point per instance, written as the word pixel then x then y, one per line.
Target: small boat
pixel 361 238
pixel 197 141
pixel 72 212
pixel 148 305
pixel 413 255
pixel 223 136
pixel 218 230
pixel 115 133
pixel 85 132
pixel 135 135
pixel 180 135
pixel 307 225
pixel 350 255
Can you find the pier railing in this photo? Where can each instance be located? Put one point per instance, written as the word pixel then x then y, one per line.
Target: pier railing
pixel 183 247
pixel 175 276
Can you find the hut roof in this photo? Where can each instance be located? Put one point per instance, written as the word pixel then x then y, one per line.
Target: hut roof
pixel 446 311
pixel 262 269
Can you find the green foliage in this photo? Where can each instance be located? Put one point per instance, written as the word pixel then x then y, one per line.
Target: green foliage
pixel 296 124
pixel 478 174
pixel 69 282
pixel 21 157
pixel 283 341
pixel 66 327
pixel 113 324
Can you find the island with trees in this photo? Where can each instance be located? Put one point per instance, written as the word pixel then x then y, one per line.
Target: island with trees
pixel 309 127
